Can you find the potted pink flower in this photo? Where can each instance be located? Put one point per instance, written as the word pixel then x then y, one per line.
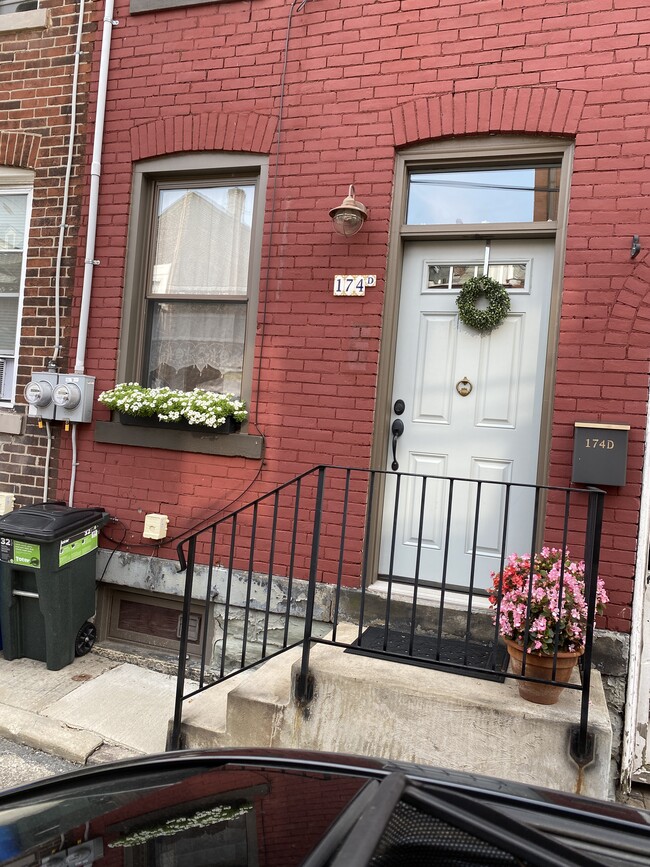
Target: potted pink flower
pixel 541 610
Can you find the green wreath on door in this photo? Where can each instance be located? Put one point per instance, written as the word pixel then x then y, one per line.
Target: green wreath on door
pixel 496 296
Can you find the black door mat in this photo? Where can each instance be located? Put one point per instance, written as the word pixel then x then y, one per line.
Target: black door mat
pixel 450 654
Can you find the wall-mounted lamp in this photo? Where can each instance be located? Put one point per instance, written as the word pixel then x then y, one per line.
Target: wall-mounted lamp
pixel 349 216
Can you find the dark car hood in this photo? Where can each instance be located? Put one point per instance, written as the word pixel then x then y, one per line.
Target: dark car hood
pixel 284 808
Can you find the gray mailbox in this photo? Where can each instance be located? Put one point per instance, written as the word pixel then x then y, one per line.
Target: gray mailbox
pixel 600 453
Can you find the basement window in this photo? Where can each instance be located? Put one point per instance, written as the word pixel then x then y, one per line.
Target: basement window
pixel 151 622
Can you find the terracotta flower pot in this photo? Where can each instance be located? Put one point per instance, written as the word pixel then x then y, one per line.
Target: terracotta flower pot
pixel 540 665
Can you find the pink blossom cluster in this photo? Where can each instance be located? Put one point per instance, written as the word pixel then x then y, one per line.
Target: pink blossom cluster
pixel 544 602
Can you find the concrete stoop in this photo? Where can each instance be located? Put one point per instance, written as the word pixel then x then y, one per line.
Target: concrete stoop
pixel 374 707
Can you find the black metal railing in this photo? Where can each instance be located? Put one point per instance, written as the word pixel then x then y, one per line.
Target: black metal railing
pixel 288 569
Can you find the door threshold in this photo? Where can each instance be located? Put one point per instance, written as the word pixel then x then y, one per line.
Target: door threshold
pixel 428 595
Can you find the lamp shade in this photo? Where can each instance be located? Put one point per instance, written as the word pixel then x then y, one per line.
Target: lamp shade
pixel 349 216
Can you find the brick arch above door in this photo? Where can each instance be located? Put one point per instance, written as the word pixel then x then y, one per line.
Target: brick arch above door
pixel 19 149
pixel 528 110
pixel 246 132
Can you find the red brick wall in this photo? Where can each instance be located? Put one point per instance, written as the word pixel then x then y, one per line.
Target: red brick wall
pixel 362 80
pixel 36 85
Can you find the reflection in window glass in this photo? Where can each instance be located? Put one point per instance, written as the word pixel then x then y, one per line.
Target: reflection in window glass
pixel 13 238
pixel 203 241
pixel 520 195
pixel 446 277
pixel 197 345
pixel 9 6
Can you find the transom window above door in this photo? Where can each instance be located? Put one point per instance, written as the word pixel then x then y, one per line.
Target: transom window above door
pixel 525 194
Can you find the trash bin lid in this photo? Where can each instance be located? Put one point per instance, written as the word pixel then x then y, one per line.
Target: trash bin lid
pixel 46 522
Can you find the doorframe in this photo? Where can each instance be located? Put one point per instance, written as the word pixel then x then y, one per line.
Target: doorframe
pixel 635 751
pixel 463 153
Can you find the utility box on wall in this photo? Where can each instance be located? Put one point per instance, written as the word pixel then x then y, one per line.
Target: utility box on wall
pixel 600 453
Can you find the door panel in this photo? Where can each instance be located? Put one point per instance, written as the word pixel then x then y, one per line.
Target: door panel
pixel 488 432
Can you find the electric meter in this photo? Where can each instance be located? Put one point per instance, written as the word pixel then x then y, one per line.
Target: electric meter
pixel 38 393
pixel 73 397
pixel 67 395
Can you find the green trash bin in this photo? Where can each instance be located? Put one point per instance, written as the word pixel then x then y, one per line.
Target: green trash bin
pixel 47 582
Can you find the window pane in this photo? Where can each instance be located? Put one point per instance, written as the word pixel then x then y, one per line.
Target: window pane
pixel 8 325
pixel 13 212
pixel 8 6
pixel 203 237
pixel 448 277
pixel 197 345
pixel 489 196
pixel 10 268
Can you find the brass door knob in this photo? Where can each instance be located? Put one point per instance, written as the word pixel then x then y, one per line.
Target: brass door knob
pixel 464 387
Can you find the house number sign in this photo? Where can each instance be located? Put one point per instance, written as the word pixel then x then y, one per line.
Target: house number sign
pixel 600 453
pixel 353 284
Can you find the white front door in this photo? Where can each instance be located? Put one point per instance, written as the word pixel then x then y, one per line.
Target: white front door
pixel 472 411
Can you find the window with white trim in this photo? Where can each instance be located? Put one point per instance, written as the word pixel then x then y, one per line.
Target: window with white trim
pixel 15 208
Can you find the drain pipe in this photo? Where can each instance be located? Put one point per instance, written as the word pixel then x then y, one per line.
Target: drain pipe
pixel 93 206
pixel 95 172
pixel 66 190
pixel 48 456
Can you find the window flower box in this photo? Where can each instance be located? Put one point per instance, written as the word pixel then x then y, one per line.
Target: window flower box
pixel 230 425
pixel 175 410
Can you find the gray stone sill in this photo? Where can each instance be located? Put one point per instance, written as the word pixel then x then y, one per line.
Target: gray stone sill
pixel 11 422
pixel 15 22
pixel 231 445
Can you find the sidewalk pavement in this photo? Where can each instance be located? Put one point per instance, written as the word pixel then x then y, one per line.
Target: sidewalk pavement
pixel 97 709
pixel 100 709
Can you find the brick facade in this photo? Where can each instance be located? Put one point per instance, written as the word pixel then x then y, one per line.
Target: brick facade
pixel 36 77
pixel 363 81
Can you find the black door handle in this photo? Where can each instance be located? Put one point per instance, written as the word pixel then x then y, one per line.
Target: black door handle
pixel 397 429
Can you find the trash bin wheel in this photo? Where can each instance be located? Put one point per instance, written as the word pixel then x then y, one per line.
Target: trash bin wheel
pixel 85 639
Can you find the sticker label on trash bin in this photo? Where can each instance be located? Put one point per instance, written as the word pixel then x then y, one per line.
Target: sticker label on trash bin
pixel 20 553
pixel 77 546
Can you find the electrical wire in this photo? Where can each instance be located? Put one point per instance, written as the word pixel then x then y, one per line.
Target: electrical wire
pixel 276 165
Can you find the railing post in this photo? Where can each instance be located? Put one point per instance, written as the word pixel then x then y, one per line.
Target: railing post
pixel 581 745
pixel 174 739
pixel 303 690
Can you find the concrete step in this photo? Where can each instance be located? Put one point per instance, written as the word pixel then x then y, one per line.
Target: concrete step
pixel 375 707
pixel 205 724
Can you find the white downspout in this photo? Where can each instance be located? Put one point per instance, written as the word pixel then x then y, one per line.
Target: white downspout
pixel 66 189
pixel 95 172
pixel 93 204
pixel 636 634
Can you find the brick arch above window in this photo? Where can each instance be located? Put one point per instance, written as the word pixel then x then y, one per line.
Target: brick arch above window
pixel 245 132
pixel 528 110
pixel 19 149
